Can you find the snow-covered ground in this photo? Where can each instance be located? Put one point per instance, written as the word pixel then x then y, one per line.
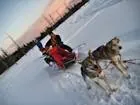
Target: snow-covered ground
pixel 32 82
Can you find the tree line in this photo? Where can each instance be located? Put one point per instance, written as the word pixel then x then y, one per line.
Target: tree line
pixel 7 61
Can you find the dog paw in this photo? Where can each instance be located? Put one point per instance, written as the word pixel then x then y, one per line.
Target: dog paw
pixel 108 93
pixel 88 87
pixel 128 77
pixel 114 89
pixel 126 67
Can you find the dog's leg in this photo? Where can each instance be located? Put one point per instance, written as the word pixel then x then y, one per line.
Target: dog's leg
pixel 103 76
pixel 124 66
pixel 85 79
pixel 102 83
pixel 87 83
pixel 117 64
pixel 111 87
pixel 122 63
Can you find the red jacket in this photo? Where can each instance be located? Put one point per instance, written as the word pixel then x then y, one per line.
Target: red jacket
pixel 59 55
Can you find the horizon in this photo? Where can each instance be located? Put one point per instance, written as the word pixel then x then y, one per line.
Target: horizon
pixel 29 21
pixel 26 19
pixel 17 16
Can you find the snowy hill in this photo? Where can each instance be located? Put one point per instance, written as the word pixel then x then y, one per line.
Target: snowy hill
pixel 32 82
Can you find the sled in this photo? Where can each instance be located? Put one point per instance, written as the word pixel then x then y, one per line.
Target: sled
pixel 67 61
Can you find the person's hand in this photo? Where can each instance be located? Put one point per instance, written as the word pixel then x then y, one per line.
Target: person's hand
pixel 44 51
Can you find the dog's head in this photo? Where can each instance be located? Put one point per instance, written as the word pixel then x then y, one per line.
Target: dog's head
pixel 92 62
pixel 114 44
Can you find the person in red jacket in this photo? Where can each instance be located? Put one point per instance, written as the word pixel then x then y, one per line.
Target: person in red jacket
pixel 56 49
pixel 56 39
pixel 60 56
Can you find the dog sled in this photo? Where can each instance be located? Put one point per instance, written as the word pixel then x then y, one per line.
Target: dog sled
pixel 64 58
pixel 66 62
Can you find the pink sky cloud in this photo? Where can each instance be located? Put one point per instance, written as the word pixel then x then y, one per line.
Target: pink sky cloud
pixel 39 26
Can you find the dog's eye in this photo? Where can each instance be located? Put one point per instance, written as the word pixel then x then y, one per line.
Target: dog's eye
pixel 114 45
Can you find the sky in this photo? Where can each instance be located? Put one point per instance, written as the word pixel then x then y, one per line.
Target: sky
pixel 17 16
pixel 22 19
pixel 32 82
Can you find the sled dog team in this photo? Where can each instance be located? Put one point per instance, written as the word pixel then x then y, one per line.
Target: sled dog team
pixel 90 66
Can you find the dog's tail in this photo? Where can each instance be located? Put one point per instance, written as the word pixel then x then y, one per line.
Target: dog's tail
pixel 89 52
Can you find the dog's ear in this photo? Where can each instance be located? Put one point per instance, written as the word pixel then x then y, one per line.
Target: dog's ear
pixel 108 44
pixel 89 53
pixel 117 39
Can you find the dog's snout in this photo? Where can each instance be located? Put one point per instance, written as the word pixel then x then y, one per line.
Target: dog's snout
pixel 120 47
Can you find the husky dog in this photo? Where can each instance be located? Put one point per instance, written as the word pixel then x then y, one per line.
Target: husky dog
pixel 90 68
pixel 111 51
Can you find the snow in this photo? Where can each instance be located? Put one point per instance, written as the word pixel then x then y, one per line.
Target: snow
pixel 31 82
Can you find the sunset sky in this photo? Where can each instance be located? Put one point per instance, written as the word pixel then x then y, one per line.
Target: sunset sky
pixel 17 16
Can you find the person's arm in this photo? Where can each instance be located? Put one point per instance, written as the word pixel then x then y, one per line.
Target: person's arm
pixel 46 50
pixel 58 39
pixel 48 43
pixel 39 45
